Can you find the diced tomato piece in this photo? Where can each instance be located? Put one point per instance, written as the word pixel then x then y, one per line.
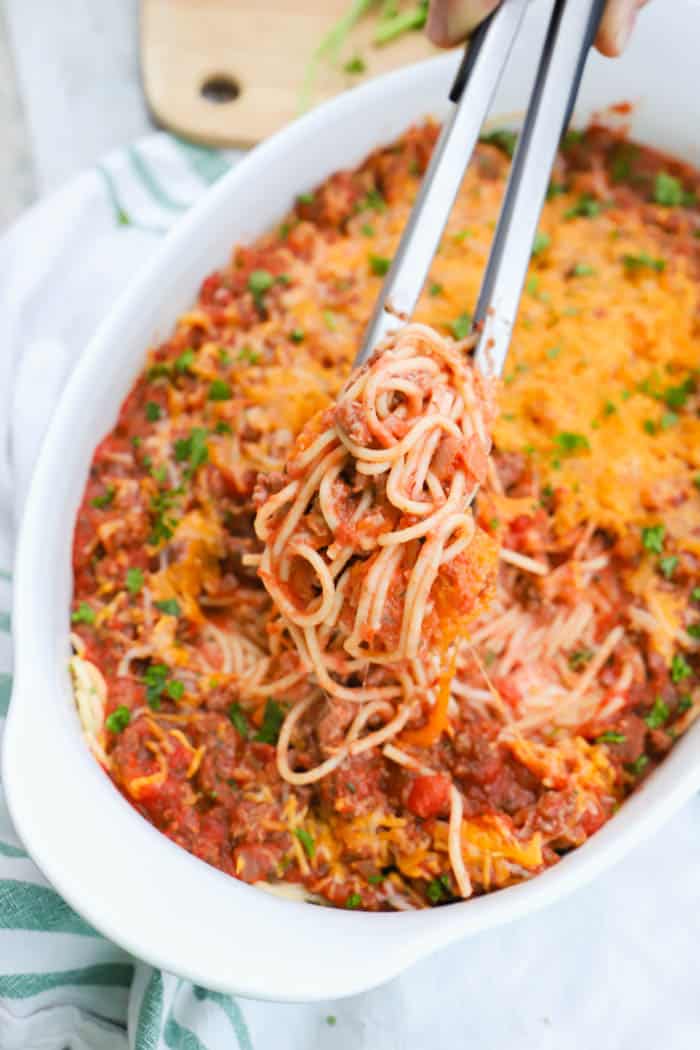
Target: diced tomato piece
pixel 430 795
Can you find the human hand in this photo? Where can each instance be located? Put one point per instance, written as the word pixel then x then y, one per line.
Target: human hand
pixel 450 21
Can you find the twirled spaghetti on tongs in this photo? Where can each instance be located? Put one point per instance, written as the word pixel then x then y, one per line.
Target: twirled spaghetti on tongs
pixel 372 553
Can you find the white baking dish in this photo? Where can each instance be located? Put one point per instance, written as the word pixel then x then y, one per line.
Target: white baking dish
pixel 133 884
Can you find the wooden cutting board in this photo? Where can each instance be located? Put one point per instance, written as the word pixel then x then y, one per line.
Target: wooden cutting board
pixel 194 53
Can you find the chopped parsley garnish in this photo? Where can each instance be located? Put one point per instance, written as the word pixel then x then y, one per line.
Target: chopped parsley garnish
pixel 680 669
pixel 175 689
pixel 377 878
pixel 239 720
pixel 153 411
pixel 306 841
pixel 283 231
pixel 609 408
pixel 157 370
pixel 379 264
pixel 219 390
pixel 163 523
pixel 676 396
pixel 118 720
pixel 568 441
pixel 693 630
pixel 611 736
pixel 353 901
pixel 653 538
pixel 306 198
pixel 155 679
pixel 273 717
pixel 668 190
pixel 224 356
pixel 367 230
pixel 222 427
pixel 259 282
pixel 355 65
pixel 134 581
pixel 183 362
pixel 572 137
pixel 297 335
pixel 374 201
pixel 169 606
pixel 668 565
pixel 435 289
pixel 160 474
pixel 553 353
pixel 685 703
pixel 555 189
pixel 695 594
pixel 658 714
pixel 462 326
pixel 582 269
pixel 331 1020
pixel 642 261
pixel 638 766
pixel 649 427
pixel 541 243
pixel 463 235
pixel 246 353
pixel 329 319
pixel 83 614
pixel 192 449
pixel 105 499
pixel 438 889
pixel 503 139
pixel 579 658
pixel 586 207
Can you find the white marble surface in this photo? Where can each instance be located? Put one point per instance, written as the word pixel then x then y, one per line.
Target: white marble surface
pixel 77 76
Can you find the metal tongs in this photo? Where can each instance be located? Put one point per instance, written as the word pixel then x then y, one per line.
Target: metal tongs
pixel 572 28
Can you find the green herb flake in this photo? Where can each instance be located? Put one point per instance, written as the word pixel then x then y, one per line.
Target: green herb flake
pixel 684 704
pixel 184 362
pixel 638 766
pixel 553 353
pixel 155 679
pixel 306 198
pixel 169 606
pixel 379 264
pixel 297 335
pixel 503 139
pixel 570 442
pixel 330 320
pixel 668 565
pixel 246 353
pixel 175 689
pixel 239 720
pixel 219 391
pixel 586 207
pixel 668 190
pixel 643 261
pixel 331 1020
pixel 273 717
pixel 353 901
pixel 306 841
pixel 222 427
pixel 118 720
pixel 153 411
pixel 192 449
pixel 579 658
pixel 609 408
pixel 83 614
pixel 556 189
pixel 355 66
pixel 435 288
pixel 376 879
pixel 462 326
pixel 462 235
pixel 134 581
pixel 611 736
pixel 676 396
pixel 653 538
pixel 259 282
pixel 649 427
pixel 582 269
pixel 105 499
pixel 695 594
pixel 367 230
pixel 680 669
pixel 374 201
pixel 541 242
pixel 658 715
